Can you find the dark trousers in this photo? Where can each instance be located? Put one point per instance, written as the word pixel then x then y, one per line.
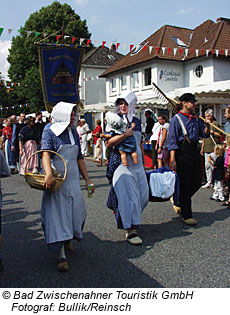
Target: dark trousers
pixel 154 153
pixel 190 175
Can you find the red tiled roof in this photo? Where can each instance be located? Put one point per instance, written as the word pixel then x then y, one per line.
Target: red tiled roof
pixel 207 36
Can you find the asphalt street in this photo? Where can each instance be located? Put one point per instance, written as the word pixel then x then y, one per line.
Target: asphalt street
pixel 172 255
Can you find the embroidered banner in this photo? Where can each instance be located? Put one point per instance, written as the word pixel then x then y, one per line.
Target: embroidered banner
pixel 59 69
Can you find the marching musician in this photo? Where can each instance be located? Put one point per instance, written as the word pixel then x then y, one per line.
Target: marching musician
pixel 184 133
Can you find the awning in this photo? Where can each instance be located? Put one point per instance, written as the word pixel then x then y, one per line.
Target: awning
pixel 94 108
pixel 150 100
pixel 212 93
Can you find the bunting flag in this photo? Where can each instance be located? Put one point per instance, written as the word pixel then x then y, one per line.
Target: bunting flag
pixel 165 50
pixel 58 37
pixel 28 33
pixel 81 41
pixel 9 84
pixel 2 107
pixel 91 78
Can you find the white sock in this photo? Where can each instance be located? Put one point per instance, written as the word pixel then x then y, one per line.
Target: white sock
pixel 61 253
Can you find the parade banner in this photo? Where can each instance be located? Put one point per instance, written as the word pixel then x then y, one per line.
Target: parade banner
pixel 59 68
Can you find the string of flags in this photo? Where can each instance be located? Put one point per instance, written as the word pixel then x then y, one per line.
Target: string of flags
pixel 9 84
pixel 90 78
pixel 169 51
pixel 14 106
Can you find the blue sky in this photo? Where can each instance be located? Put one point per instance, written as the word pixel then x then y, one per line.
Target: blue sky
pixel 122 21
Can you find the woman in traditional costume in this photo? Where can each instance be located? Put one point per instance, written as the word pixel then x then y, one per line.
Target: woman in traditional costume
pixel 28 141
pixel 129 193
pixel 7 140
pixel 63 212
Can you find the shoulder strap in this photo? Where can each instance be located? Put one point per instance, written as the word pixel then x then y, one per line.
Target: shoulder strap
pixel 183 129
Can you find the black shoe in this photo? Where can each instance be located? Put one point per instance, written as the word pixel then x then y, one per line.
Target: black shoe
pixel 1 265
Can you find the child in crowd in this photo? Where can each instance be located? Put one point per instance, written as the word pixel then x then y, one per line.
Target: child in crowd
pixel 218 172
pixel 98 149
pixel 117 125
pixel 227 167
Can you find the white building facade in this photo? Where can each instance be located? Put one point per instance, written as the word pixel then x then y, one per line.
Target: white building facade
pixel 204 71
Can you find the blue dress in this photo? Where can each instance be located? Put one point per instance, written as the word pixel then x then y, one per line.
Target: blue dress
pixel 63 212
pixel 129 192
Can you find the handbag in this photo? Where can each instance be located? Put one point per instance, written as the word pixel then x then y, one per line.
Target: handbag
pixel 89 136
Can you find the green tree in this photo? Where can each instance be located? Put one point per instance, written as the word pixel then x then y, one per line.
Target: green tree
pixel 23 55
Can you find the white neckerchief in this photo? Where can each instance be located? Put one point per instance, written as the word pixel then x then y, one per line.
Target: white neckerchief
pixel 71 136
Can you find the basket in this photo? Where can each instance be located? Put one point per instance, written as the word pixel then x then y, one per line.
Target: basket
pixel 36 181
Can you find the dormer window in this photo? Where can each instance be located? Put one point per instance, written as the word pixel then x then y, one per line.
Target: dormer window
pixel 138 49
pixel 111 57
pixel 178 41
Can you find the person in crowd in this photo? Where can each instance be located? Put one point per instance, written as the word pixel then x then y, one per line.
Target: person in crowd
pixel 208 144
pixel 4 172
pixel 16 130
pixel 79 125
pixel 6 141
pixel 39 126
pixel 227 168
pixel 216 159
pixel 227 123
pixel 162 142
pixel 84 132
pixel 63 211
pixel 108 150
pixel 149 124
pixel 28 142
pixel 98 149
pixel 184 132
pixel 153 140
pixel 129 192
pixel 97 130
pixel 13 119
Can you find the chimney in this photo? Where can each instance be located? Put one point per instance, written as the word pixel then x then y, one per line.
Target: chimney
pixel 225 20
pixel 113 47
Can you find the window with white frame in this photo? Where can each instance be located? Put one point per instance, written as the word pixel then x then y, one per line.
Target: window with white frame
pixel 113 85
pixel 147 77
pixel 135 80
pixel 123 82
